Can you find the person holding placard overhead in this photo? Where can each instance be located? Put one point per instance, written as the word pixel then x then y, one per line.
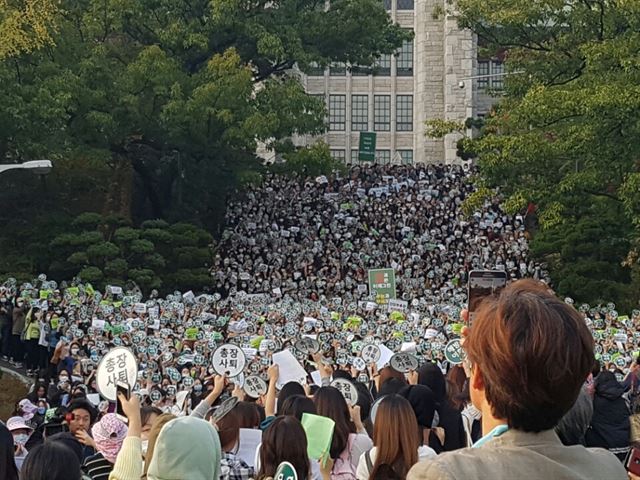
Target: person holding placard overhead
pixel 350 439
pixel 529 354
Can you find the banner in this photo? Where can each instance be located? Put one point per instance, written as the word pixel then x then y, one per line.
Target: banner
pixel 382 284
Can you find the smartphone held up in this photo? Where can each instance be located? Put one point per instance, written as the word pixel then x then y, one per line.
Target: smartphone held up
pixel 125 389
pixel 484 283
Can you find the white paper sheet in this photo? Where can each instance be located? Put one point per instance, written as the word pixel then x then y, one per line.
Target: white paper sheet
pixel 409 347
pixel 289 368
pixel 317 379
pixel 385 356
pixel 250 439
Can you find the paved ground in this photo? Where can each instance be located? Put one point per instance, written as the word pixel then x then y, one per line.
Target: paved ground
pixel 12 389
pixel 7 365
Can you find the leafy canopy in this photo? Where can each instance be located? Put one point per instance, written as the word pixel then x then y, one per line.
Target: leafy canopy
pixel 107 250
pixel 565 134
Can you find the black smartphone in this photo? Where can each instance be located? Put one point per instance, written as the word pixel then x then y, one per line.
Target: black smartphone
pixel 483 283
pixel 123 388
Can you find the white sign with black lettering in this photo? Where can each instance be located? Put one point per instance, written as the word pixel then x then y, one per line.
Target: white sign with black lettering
pixel 254 386
pixel 228 359
pixel 398 305
pixel 347 389
pixel 118 365
pixel 370 353
pixel 140 308
pixel 403 362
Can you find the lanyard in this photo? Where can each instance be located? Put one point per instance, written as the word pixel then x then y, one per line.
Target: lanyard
pixel 496 432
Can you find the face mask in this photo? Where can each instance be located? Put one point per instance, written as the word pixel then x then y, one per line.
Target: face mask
pixel 197 388
pixel 74 351
pixel 20 438
pixel 41 410
pixel 64 379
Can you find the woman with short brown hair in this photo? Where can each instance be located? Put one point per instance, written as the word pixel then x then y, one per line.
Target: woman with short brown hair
pixel 530 353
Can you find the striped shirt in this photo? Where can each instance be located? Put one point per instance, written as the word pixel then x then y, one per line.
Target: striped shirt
pixel 97 467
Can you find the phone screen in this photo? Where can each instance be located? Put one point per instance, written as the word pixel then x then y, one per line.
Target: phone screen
pixel 126 391
pixel 483 283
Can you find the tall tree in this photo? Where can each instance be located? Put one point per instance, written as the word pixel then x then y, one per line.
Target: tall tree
pixel 25 25
pixel 160 104
pixel 565 134
pixel 180 91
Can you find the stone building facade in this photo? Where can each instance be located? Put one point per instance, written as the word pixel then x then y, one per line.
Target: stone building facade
pixel 403 91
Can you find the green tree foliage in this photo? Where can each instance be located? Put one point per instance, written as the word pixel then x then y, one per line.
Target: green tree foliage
pixel 153 109
pixel 312 161
pixel 179 93
pixel 579 254
pixel 25 25
pixel 106 250
pixel 565 134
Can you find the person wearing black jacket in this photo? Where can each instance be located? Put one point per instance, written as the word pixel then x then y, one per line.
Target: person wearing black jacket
pixel 610 426
pixel 449 418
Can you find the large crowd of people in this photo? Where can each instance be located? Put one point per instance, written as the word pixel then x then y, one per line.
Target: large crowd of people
pixel 291 298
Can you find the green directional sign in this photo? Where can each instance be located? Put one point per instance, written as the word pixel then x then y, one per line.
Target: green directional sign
pixel 285 471
pixel 367 149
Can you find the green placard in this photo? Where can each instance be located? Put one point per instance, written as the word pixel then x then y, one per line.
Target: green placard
pixel 367 147
pixel 191 333
pixel 285 471
pixel 382 284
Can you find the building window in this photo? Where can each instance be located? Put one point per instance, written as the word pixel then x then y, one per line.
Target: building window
pixel 337 154
pixel 354 155
pixel 404 59
pixel 387 5
pixel 338 69
pixel 337 112
pixel 404 113
pixel 493 70
pixel 406 156
pixel 382 113
pixel 314 70
pixel 483 69
pixel 383 156
pixel 382 66
pixel 497 68
pixel 359 113
pixel 405 5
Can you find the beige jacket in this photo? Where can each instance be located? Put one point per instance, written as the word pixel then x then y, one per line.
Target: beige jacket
pixel 517 455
